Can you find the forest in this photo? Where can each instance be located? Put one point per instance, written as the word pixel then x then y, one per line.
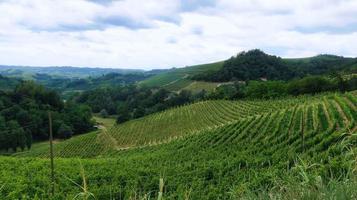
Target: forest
pixel 24 116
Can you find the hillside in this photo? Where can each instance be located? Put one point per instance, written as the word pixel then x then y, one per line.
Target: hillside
pixel 197 118
pixel 178 122
pixel 252 151
pixel 178 78
pixel 250 65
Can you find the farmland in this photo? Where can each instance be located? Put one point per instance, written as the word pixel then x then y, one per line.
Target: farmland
pixel 222 149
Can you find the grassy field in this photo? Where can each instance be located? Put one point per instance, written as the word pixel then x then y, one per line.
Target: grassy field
pixel 293 148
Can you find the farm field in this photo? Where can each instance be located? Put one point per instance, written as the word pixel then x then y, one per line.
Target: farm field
pixel 232 150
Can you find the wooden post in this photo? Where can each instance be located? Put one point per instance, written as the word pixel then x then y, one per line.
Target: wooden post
pixel 51 155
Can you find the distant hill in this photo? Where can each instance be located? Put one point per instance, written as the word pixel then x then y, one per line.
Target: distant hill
pixel 321 64
pixel 255 64
pixel 72 79
pixel 68 86
pixel 8 83
pixel 62 71
pixel 250 65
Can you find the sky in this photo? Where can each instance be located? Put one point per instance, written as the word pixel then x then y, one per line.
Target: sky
pixel 156 34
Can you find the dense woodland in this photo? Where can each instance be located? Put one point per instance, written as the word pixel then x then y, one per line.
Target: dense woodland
pixel 24 116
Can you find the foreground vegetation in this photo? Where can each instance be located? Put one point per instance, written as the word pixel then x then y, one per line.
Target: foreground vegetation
pixel 302 148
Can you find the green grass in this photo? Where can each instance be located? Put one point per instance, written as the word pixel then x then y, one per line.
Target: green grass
pixel 219 150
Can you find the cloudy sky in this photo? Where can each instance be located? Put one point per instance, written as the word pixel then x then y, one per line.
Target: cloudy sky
pixel 150 34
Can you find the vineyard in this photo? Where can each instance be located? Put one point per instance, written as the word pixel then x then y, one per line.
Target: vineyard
pixel 291 148
pixel 190 119
pixel 162 127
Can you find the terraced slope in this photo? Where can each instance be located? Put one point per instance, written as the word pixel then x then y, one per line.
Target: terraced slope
pixel 294 152
pixel 186 120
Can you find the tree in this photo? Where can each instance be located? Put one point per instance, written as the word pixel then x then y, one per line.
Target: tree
pixel 79 117
pixel 310 85
pixel 28 136
pixel 341 83
pixel 138 112
pixel 17 135
pixel 21 138
pixel 64 132
pixel 3 141
pixel 103 113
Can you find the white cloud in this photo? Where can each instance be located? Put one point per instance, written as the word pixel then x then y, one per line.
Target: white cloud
pixel 160 34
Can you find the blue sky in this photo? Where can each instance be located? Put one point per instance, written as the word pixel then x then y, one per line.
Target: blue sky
pixel 151 34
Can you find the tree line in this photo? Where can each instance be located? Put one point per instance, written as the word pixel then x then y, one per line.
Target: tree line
pixel 275 89
pixel 24 116
pixel 132 101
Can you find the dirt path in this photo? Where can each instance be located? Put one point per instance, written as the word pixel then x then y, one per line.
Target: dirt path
pixel 172 82
pixel 350 104
pixel 108 138
pixel 291 122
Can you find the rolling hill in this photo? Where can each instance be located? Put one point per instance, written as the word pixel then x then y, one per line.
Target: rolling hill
pixel 255 64
pixel 209 76
pixel 289 148
pixel 27 72
pixel 8 83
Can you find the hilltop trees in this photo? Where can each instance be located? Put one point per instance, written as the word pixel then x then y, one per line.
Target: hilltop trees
pixel 250 65
pixel 256 65
pixel 24 116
